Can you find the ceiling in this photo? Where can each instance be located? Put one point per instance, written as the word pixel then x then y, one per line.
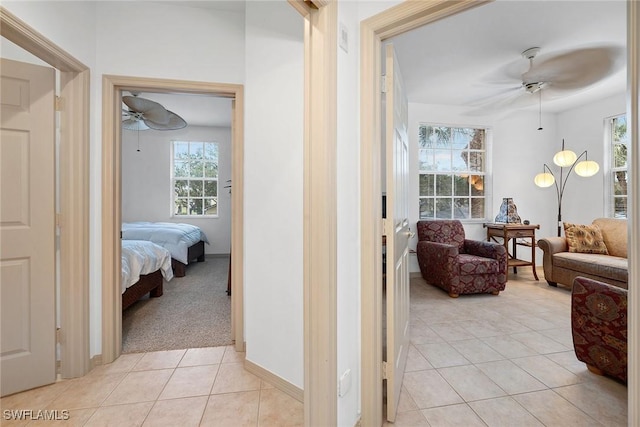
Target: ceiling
pixel 475 56
pixel 472 59
pixel 226 5
pixel 196 110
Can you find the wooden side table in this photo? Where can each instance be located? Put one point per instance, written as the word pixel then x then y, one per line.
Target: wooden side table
pixel 514 232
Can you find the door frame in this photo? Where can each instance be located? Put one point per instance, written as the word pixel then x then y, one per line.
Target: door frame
pixel 112 87
pixel 397 20
pixel 373 31
pixel 73 219
pixel 633 123
pixel 320 210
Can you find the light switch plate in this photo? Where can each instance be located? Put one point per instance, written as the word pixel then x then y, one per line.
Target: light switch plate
pixel 343 37
pixel 345 383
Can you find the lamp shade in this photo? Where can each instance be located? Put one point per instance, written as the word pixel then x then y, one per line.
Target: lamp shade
pixel 587 168
pixel 564 158
pixel 544 180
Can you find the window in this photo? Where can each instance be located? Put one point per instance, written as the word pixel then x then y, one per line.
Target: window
pixel 452 172
pixel 195 178
pixel 617 180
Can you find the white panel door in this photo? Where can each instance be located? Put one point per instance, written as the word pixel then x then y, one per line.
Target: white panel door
pixel 397 231
pixel 27 226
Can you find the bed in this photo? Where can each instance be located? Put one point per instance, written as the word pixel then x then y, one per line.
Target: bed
pixel 185 242
pixel 144 266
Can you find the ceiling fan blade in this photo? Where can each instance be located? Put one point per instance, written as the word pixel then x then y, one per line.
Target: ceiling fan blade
pixel 576 69
pixel 509 101
pixel 133 124
pixel 507 74
pixel 151 110
pixel 499 96
pixel 175 122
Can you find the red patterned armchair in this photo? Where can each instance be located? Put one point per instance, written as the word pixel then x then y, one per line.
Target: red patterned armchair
pixel 458 265
pixel 599 326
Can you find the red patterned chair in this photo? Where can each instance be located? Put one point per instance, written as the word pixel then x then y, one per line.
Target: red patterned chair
pixel 599 326
pixel 458 265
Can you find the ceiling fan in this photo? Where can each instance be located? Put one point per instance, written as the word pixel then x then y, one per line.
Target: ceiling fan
pixel 143 114
pixel 556 75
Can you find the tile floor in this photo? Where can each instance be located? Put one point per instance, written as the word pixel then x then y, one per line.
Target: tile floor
pixel 482 360
pixel 194 387
pixel 477 360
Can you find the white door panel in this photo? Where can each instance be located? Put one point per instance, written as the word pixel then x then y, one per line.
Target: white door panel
pixel 397 232
pixel 27 226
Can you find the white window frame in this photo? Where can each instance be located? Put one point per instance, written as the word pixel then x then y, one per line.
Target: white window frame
pixel 488 143
pixel 609 204
pixel 174 178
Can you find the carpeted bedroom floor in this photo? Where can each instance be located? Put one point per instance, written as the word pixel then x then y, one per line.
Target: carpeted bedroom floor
pixel 195 311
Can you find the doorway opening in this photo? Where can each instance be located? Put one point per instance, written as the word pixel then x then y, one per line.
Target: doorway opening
pixel 374 30
pixel 176 194
pixel 114 87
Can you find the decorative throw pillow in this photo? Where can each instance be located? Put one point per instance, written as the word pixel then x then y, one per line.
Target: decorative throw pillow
pixel 585 239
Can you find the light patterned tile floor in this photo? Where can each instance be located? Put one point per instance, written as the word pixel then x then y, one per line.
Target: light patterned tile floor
pixel 507 360
pixel 480 360
pixel 194 387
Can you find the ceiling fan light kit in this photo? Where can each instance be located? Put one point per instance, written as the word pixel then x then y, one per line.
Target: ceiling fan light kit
pixel 134 124
pixel 143 114
pixel 530 53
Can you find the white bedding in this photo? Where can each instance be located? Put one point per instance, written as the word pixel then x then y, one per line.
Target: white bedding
pixel 174 237
pixel 142 257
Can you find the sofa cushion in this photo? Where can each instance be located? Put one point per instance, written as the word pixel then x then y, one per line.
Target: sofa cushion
pixel 584 239
pixel 607 266
pixel 614 232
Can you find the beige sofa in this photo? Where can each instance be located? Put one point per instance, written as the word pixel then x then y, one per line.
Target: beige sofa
pixel 562 266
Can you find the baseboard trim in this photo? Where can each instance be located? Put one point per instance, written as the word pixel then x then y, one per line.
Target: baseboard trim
pixel 95 361
pixel 279 383
pixel 217 255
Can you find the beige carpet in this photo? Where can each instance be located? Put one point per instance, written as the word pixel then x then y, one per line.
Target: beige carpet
pixel 195 311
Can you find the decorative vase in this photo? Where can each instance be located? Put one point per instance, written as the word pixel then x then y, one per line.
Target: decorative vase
pixel 508 212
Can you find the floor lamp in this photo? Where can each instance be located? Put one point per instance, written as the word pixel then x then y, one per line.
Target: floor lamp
pixel 565 159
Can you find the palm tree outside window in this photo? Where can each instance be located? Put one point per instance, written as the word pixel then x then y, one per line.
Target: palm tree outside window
pixel 452 167
pixel 617 179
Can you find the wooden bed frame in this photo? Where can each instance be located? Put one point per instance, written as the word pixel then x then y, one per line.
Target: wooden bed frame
pixel 195 251
pixel 148 283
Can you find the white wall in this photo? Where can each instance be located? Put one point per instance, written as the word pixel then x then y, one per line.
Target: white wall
pixel 348 219
pixel 273 189
pixel 519 152
pixel 176 42
pixel 146 180
pixel 350 13
pixel 163 41
pixel 583 129
pixel 133 39
pixel 78 39
pixel 12 51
